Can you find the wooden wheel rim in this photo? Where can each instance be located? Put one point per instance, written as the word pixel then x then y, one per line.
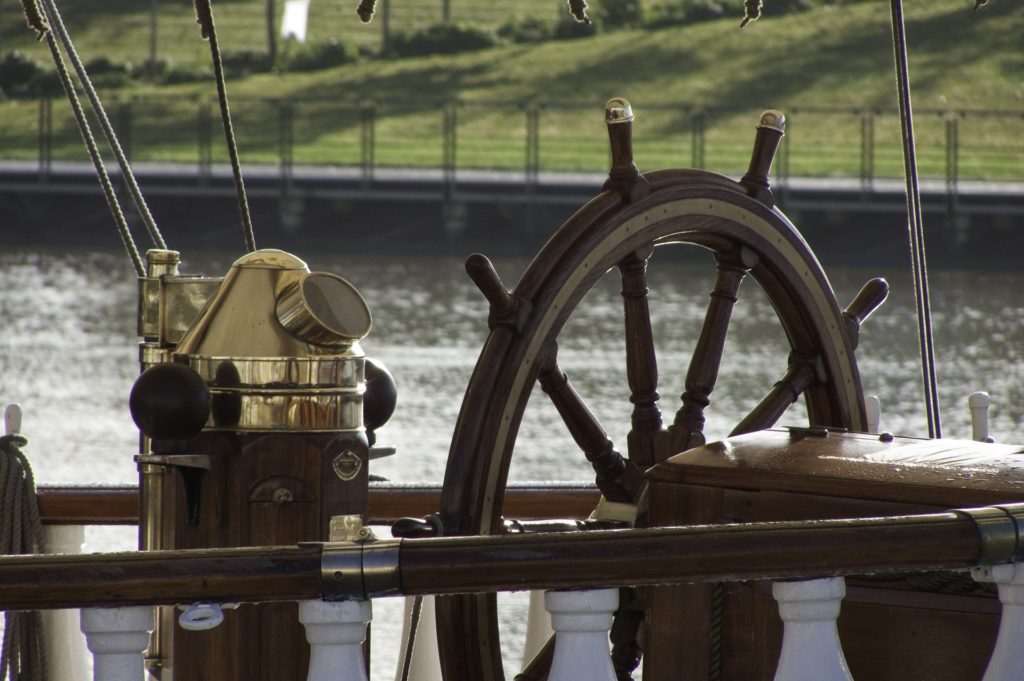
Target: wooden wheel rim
pixel 684 207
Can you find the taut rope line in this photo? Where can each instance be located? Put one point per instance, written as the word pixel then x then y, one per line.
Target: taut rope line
pixel 108 130
pixel 916 227
pixel 37 20
pixel 204 16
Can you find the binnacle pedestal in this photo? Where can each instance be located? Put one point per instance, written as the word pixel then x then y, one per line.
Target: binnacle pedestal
pixel 280 448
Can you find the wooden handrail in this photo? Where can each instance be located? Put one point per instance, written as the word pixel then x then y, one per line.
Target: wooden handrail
pixel 119 505
pixel 495 563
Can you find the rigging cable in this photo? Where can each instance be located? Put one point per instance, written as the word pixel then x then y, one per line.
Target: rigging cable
pixel 57 23
pixel 204 17
pixel 916 227
pixel 36 19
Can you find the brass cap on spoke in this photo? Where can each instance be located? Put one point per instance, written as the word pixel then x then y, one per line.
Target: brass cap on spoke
pixel 618 110
pixel 770 118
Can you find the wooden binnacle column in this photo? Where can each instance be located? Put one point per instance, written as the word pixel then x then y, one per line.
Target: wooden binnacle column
pixel 257 437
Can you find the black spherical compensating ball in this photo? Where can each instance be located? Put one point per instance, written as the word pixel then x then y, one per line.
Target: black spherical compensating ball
pixel 380 396
pixel 170 402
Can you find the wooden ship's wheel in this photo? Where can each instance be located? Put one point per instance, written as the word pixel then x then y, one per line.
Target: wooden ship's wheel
pixel 618 230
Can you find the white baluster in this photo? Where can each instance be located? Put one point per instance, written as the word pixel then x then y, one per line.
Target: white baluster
pixel 872 412
pixel 979 403
pixel 336 631
pixel 1007 661
pixel 65 645
pixel 425 664
pixel 117 637
pixel 810 641
pixel 538 627
pixel 582 620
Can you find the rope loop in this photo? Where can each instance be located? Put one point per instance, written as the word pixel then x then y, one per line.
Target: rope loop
pixel 35 18
pixel 366 9
pixel 578 10
pixel 752 11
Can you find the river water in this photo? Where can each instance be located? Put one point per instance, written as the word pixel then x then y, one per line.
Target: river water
pixel 68 355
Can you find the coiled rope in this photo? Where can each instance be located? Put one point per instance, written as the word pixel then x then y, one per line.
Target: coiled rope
pixel 23 653
pixel 38 21
pixel 918 262
pixel 204 17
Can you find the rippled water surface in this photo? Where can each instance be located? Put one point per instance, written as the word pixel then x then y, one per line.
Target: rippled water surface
pixel 68 355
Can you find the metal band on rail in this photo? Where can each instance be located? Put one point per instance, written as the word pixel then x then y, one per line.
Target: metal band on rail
pixel 1001 529
pixel 360 570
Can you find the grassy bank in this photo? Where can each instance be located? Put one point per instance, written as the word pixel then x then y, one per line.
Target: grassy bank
pixel 825 68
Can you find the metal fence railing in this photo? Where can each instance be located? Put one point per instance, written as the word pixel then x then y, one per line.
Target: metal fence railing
pixel 526 137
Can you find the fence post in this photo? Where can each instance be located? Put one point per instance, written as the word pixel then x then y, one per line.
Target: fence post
pixel 697 145
pixel 450 135
pixel 45 133
pixel 446 10
pixel 532 145
pixel 205 149
pixel 385 28
pixel 367 128
pixel 124 124
pixel 952 164
pixel 867 151
pixel 286 142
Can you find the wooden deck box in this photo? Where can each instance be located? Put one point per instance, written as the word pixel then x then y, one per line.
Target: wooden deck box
pixel 939 627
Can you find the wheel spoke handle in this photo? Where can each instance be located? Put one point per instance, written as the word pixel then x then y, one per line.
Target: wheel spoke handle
pixel 618 479
pixel 867 301
pixel 506 309
pixel 801 374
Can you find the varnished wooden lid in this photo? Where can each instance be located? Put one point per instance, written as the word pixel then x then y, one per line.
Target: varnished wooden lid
pixel 856 465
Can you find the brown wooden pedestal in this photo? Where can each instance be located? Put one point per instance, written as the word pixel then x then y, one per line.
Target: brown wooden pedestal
pixel 262 489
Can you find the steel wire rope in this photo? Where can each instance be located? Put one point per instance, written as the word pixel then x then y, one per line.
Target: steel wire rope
pixel 919 265
pixel 204 16
pixel 57 23
pixel 37 20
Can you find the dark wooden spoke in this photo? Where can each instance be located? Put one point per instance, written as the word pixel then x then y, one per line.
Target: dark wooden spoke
pixel 641 362
pixel 688 428
pixel 801 374
pixel 617 478
pixel 540 665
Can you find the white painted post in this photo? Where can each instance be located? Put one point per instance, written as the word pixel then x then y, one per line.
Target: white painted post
pixel 118 637
pixel 65 645
pixel 12 419
pixel 336 631
pixel 872 412
pixel 538 627
pixel 425 664
pixel 582 620
pixel 810 640
pixel 979 403
pixel 1007 661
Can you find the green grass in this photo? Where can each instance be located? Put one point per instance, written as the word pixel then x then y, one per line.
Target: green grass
pixel 822 67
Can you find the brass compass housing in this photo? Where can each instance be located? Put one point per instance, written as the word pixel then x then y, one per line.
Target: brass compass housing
pixel 278 347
